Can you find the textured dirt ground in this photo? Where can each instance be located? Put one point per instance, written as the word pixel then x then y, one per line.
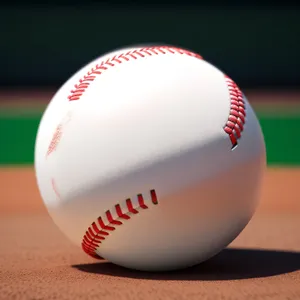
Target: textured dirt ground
pixel 38 262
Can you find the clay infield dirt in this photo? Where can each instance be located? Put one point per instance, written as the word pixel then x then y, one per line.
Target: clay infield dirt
pixel 38 262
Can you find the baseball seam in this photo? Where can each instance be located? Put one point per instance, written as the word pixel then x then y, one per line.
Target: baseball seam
pixel 236 120
pixel 55 140
pixel 100 229
pixel 118 59
pixel 58 134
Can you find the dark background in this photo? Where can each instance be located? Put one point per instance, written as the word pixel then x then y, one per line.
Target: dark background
pixel 256 43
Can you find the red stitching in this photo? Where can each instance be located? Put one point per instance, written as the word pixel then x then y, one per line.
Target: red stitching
pixel 98 231
pixel 98 69
pixel 54 187
pixel 55 140
pixel 236 120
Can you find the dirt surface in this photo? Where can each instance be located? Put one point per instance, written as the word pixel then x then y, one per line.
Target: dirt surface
pixel 38 262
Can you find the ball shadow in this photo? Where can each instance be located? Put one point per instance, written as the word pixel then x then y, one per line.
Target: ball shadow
pixel 229 264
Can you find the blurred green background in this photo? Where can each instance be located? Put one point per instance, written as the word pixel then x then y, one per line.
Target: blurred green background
pixel 255 44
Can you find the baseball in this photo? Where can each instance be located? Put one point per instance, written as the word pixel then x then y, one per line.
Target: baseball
pixel 150 158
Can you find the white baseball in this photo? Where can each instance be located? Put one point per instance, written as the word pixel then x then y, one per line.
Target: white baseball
pixel 150 158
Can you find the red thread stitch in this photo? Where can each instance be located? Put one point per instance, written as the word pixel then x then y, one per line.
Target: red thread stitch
pixel 54 187
pixel 55 140
pixel 98 231
pixel 98 69
pixel 58 134
pixel 236 120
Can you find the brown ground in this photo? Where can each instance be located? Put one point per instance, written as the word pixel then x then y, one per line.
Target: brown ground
pixel 38 262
